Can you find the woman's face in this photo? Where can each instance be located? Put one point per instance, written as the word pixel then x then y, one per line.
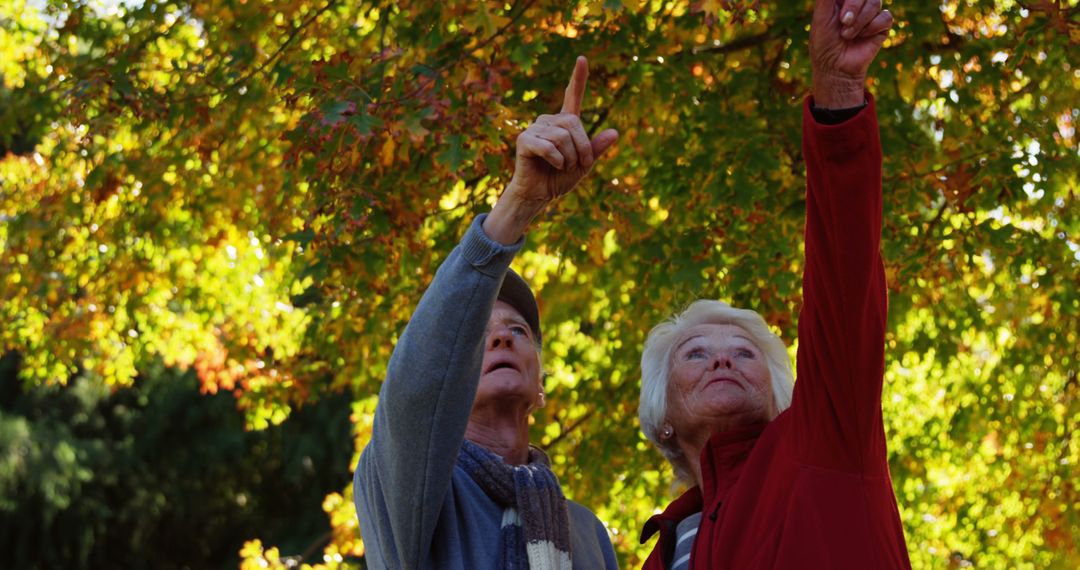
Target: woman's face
pixel 719 379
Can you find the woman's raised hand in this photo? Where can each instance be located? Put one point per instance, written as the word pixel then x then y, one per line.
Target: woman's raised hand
pixel 845 36
pixel 553 155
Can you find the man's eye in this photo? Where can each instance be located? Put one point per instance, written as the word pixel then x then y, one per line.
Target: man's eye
pixel 519 330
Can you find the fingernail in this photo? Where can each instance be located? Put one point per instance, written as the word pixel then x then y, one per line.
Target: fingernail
pixel 849 16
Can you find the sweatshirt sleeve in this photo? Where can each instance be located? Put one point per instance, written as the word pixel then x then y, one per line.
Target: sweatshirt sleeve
pixel 840 361
pixel 404 473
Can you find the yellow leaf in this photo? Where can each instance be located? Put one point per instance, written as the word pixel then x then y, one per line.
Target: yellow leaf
pixel 906 83
pixel 387 154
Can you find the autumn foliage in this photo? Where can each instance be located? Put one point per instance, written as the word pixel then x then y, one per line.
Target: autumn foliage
pixel 260 192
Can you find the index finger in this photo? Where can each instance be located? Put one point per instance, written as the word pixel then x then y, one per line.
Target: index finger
pixel 575 91
pixel 849 11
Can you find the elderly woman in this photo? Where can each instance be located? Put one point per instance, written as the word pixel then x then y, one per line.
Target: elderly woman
pixel 449 480
pixel 784 474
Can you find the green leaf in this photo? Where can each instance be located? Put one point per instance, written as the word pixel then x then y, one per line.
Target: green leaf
pixel 453 155
pixel 302 237
pixel 364 122
pixel 334 109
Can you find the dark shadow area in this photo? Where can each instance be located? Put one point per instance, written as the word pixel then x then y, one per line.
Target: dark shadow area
pixel 158 475
pixel 20 130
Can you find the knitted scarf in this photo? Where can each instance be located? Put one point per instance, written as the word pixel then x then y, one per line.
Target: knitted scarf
pixel 535 523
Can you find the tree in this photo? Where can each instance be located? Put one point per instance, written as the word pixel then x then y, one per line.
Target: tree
pixel 261 192
pixel 157 474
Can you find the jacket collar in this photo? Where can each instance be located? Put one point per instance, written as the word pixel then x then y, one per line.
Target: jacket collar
pixel 721 463
pixel 686 505
pixel 723 458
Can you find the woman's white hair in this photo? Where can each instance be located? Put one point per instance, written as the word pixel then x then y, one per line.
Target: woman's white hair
pixel 656 368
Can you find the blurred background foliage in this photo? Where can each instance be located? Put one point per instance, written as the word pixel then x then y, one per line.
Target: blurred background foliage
pixel 216 216
pixel 157 475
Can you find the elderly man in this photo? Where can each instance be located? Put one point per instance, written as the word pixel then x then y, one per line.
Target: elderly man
pixel 449 480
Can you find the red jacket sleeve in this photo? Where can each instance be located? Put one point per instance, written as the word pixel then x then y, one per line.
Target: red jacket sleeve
pixel 836 406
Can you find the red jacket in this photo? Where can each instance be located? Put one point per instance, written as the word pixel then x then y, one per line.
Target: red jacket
pixel 811 489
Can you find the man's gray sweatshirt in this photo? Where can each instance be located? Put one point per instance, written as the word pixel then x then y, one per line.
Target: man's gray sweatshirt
pixel 417 507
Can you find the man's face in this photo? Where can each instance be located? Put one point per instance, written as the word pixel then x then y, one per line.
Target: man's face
pixel 511 367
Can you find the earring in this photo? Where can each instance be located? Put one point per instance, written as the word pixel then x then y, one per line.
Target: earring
pixel 666 432
pixel 543 402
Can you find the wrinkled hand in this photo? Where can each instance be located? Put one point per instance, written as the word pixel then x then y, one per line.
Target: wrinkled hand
pixel 553 155
pixel 845 36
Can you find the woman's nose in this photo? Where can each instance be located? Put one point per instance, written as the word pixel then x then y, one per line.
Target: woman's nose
pixel 721 360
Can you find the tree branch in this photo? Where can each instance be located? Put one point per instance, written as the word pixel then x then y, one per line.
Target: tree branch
pixel 563 433
pixel 914 175
pixel 320 542
pixel 513 20
pixel 737 44
pixel 277 53
pixel 292 36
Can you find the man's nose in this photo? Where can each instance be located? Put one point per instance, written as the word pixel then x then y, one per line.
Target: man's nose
pixel 500 337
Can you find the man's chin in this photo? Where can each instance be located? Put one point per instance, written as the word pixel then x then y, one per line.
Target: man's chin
pixel 509 385
pixel 507 376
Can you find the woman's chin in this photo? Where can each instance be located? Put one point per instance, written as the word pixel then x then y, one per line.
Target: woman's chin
pixel 724 410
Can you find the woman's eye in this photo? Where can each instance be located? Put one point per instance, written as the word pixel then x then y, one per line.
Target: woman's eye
pixel 745 353
pixel 695 353
pixel 518 330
